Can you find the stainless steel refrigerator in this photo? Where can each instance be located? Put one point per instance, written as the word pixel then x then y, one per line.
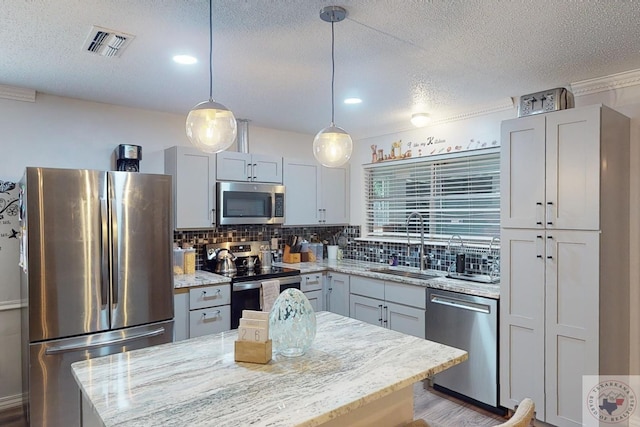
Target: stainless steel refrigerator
pixel 96 277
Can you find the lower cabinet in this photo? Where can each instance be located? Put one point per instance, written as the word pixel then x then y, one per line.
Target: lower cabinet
pixel 395 306
pixel 311 286
pixel 337 293
pixel 201 311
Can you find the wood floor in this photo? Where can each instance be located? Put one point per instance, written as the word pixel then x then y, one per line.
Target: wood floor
pixel 439 410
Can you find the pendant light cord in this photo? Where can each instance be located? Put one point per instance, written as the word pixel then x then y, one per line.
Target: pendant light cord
pixel 333 72
pixel 210 51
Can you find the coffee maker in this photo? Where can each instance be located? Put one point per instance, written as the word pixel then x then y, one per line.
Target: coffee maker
pixel 128 158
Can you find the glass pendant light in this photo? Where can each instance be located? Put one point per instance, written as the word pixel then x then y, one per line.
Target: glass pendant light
pixel 332 146
pixel 211 126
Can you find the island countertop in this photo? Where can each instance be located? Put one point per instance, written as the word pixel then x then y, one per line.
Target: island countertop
pixel 196 382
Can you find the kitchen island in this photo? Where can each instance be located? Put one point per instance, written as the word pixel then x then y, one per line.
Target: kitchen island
pixel 354 374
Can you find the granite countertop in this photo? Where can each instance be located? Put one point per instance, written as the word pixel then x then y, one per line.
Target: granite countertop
pixel 362 268
pixel 359 268
pixel 200 278
pixel 196 382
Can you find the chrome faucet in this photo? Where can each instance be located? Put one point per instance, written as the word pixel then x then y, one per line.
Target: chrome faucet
pixel 451 239
pixel 422 257
pixel 453 263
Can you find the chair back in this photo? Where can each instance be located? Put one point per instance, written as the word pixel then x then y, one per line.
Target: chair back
pixel 524 415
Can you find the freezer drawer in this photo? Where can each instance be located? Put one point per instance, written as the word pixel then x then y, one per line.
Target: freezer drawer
pixel 54 398
pixel 470 323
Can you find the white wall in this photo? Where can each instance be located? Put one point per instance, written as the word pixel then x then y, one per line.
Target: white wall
pixel 69 133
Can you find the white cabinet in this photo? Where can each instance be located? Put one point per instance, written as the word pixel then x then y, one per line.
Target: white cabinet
pixel 234 166
pixel 337 292
pixel 315 194
pixel 550 170
pixel 311 285
pixel 334 195
pixel 210 311
pixel 202 310
pixel 392 305
pixel 301 184
pixel 565 267
pixel 194 179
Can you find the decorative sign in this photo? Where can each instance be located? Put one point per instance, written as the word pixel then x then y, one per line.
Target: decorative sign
pixel 431 146
pixel 9 237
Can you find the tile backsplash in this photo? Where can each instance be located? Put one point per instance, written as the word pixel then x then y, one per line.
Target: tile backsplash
pixel 478 259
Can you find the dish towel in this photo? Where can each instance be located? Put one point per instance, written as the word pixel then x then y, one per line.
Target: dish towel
pixel 269 291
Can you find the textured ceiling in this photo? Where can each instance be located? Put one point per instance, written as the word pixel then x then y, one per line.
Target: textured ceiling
pixel 272 59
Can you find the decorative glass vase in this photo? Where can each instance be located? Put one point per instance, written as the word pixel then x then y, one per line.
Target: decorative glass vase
pixel 292 323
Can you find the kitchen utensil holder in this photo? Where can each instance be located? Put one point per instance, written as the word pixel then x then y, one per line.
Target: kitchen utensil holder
pixel 290 258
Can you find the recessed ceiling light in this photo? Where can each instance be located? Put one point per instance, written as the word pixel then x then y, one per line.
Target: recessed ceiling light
pixel 352 101
pixel 185 59
pixel 420 119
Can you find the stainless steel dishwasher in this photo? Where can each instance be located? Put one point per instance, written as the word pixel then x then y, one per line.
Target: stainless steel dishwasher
pixel 470 323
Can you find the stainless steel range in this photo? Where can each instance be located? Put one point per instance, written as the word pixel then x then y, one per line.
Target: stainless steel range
pixel 251 269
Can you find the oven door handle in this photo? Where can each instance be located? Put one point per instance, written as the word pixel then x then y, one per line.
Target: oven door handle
pixel 237 287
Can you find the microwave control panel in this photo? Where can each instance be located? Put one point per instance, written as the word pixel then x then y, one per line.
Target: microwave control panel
pixel 279 205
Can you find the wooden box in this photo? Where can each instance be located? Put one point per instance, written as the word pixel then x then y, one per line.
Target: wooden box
pixel 252 352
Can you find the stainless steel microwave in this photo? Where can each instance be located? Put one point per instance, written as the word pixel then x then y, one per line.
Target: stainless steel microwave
pixel 249 203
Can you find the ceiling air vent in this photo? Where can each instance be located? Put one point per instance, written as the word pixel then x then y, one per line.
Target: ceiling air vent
pixel 105 42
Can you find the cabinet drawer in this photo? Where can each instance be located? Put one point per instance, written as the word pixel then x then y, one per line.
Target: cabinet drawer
pixel 209 321
pixel 311 282
pixel 209 296
pixel 414 296
pixel 364 286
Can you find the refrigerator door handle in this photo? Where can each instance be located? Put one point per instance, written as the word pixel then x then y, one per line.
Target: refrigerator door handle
pixel 81 346
pixel 104 284
pixel 115 253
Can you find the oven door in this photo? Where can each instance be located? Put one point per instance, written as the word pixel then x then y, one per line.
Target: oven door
pixel 249 203
pixel 246 296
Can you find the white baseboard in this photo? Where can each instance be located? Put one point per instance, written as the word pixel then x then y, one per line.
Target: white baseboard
pixel 10 402
pixel 10 305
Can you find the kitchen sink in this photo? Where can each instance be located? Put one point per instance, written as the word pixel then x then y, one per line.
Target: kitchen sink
pixel 479 278
pixel 411 274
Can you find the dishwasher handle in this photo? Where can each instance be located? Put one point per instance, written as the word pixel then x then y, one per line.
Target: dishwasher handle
pixel 461 304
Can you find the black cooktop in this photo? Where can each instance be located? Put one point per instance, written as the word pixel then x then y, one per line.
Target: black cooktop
pixel 245 275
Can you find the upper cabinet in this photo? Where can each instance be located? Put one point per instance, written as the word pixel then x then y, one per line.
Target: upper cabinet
pixel 315 194
pixel 551 170
pixel 194 179
pixel 245 167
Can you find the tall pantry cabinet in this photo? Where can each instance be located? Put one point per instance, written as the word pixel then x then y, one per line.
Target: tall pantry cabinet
pixel 564 293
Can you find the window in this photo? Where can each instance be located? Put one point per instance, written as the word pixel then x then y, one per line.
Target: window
pixel 454 195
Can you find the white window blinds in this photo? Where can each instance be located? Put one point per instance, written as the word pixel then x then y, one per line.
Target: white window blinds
pixel 458 195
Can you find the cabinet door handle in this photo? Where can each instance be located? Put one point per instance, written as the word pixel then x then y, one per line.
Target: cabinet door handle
pixel 539 213
pixel 539 246
pixel 380 318
pixel 549 213
pixel 549 248
pixel 386 314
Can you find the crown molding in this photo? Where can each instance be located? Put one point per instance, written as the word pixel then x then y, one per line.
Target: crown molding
pixel 601 84
pixel 17 93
